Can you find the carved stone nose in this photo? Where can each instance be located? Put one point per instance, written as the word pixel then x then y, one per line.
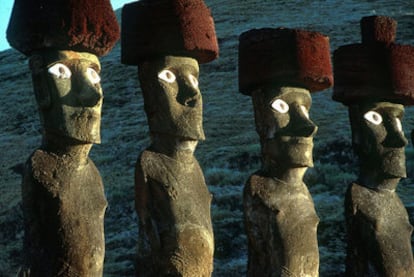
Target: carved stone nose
pixel 395 140
pixel 88 94
pixel 307 129
pixel 188 96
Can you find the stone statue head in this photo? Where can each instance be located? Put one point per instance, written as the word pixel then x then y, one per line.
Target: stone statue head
pixel 63 40
pixel 168 53
pixel 69 94
pixel 374 79
pixel 283 124
pixel 279 68
pixel 378 138
pixel 172 98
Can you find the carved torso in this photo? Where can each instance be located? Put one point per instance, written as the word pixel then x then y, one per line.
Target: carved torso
pixel 64 208
pixel 173 204
pixel 379 233
pixel 284 213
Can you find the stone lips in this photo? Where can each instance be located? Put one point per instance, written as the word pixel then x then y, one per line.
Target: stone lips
pixel 78 25
pixel 377 69
pixel 284 57
pixel 167 27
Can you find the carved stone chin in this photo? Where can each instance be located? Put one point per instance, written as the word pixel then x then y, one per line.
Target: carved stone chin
pixel 187 145
pixel 289 151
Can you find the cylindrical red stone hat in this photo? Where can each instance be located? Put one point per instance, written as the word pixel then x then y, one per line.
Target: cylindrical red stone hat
pixel 285 57
pixel 167 27
pixel 378 29
pixel 78 25
pixel 377 69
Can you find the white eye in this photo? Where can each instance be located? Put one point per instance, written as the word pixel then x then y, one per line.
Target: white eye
pixel 399 125
pixel 60 71
pixel 93 75
pixel 193 80
pixel 373 117
pixel 280 106
pixel 305 111
pixel 167 75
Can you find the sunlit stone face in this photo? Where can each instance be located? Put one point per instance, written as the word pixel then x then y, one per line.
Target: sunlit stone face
pixel 282 121
pixel 379 138
pixel 172 97
pixel 69 94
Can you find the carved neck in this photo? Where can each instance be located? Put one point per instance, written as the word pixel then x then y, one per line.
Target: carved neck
pixel 283 173
pixel 372 179
pixel 175 147
pixel 62 146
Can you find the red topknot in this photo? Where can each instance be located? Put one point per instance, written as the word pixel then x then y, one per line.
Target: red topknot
pixel 167 27
pixel 377 69
pixel 284 57
pixel 78 25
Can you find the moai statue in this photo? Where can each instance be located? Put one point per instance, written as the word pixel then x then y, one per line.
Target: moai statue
pixel 375 79
pixel 168 39
pixel 62 191
pixel 279 68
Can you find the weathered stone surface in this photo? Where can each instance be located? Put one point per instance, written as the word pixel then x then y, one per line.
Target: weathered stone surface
pixel 279 68
pixel 280 218
pixel 373 79
pixel 64 206
pixel 173 108
pixel 173 203
pixel 281 222
pixel 168 39
pixel 379 233
pixel 63 198
pixel 379 142
pixel 171 197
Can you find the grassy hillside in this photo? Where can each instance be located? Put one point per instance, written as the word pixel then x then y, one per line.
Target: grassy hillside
pixel 231 151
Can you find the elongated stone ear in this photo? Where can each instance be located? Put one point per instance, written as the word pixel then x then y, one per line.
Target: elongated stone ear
pixel 40 86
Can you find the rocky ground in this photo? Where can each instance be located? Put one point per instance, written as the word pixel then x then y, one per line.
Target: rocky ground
pixel 231 151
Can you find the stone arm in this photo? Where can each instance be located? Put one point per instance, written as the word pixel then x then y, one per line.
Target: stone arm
pixel 42 245
pixel 143 206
